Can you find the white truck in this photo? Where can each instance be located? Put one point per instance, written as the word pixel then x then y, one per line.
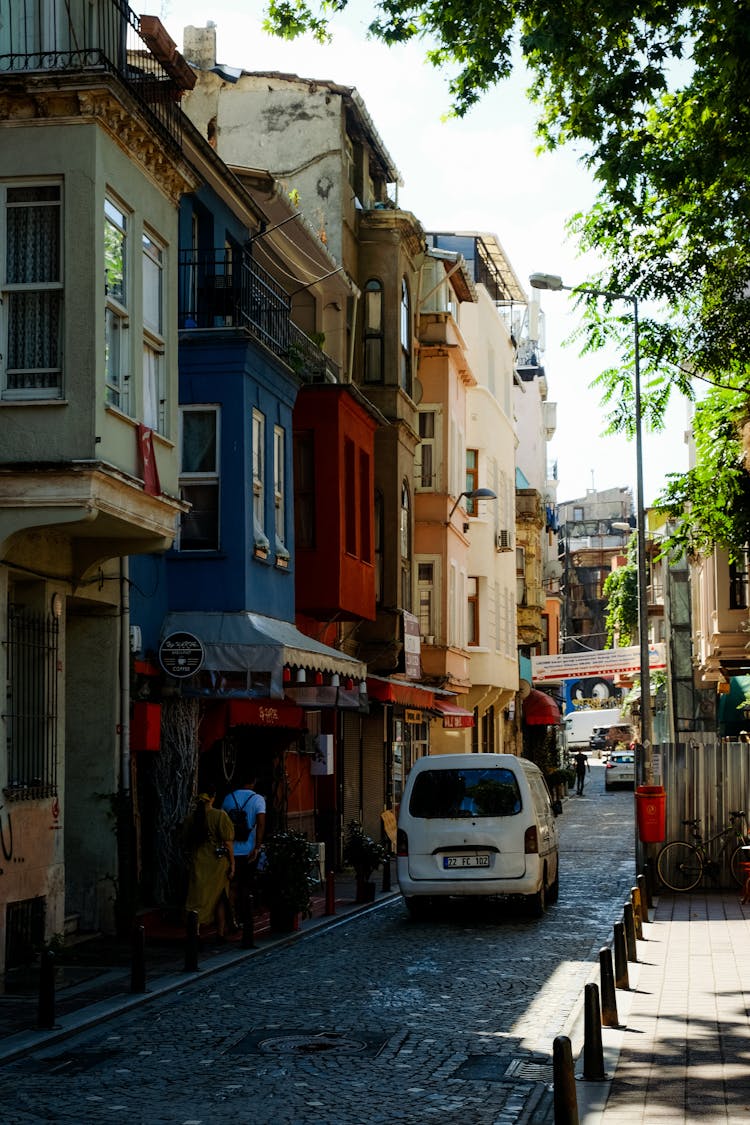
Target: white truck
pixel 579 725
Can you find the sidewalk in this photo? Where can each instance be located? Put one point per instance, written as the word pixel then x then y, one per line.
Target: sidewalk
pixel 93 976
pixel 682 1053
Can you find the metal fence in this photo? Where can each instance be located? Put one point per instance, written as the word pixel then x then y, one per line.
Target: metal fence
pixel 708 778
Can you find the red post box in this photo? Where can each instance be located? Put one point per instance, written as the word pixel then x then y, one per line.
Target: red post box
pixel 651 810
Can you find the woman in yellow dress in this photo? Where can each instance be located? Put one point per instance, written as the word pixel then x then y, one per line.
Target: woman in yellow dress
pixel 209 836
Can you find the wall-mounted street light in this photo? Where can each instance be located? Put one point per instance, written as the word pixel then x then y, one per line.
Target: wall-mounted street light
pixel 472 494
pixel 555 284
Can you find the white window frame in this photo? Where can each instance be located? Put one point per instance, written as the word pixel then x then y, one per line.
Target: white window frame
pixel 434 443
pixel 260 539
pixel 153 257
pixel 8 289
pixel 205 476
pixel 117 380
pixel 433 587
pixel 279 491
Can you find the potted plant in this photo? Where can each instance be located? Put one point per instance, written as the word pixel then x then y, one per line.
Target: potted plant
pixel 365 855
pixel 289 870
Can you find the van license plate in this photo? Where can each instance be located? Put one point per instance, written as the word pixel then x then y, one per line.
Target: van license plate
pixel 466 861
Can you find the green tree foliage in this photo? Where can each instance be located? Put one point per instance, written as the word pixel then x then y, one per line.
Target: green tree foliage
pixel 621 594
pixel 655 98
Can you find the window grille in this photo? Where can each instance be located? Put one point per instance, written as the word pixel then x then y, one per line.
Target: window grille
pixel 24 931
pixel 31 711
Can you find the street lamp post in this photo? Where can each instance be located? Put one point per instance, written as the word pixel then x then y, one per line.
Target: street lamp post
pixel 644 774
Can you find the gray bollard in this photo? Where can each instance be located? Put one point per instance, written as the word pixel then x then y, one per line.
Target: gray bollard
pixel 248 924
pixel 565 1098
pixel 646 903
pixel 631 947
pixel 191 942
pixel 593 1052
pixel 635 898
pixel 138 960
pixel 622 979
pixel 608 994
pixel 46 1008
pixel 648 870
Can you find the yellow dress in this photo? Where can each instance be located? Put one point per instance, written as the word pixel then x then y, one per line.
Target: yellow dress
pixel 209 873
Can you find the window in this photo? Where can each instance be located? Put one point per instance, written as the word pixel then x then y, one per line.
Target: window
pixel 365 490
pixel 199 477
pixel 472 611
pixel 578 513
pixel 304 489
pixel 279 492
pixel 31 707
pixel 379 543
pixel 154 367
pixel 260 540
pixel 31 291
pixel 446 794
pixel 426 456
pixel 520 576
pixel 405 540
pixel 426 599
pixel 350 499
pixel 373 332
pixel 405 370
pixel 472 479
pixel 116 319
pixel 739 582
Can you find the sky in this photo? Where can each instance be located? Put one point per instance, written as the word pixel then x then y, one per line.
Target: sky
pixel 481 173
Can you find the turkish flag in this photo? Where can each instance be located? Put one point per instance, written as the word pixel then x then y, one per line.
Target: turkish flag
pixel 149 470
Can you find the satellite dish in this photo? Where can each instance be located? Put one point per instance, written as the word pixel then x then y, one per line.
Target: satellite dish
pixel 524 688
pixel 417 391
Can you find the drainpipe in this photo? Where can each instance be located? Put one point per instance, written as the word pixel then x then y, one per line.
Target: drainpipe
pixel 124 676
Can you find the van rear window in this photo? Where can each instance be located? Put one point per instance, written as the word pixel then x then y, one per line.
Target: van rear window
pixel 442 794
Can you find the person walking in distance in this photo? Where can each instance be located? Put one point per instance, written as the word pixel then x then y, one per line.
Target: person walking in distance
pixel 247 810
pixel 581 763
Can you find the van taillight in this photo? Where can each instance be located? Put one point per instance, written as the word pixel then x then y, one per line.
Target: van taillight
pixel 402 842
pixel 530 841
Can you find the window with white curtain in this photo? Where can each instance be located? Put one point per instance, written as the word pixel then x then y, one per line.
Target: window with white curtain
pixel 199 477
pixel 31 290
pixel 260 538
pixel 116 310
pixel 279 491
pixel 154 366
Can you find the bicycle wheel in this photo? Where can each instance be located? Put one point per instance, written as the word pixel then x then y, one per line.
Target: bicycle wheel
pixel 679 866
pixel 737 862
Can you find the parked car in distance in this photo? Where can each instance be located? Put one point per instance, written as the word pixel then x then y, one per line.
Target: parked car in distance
pixel 477 824
pixel 619 769
pixel 598 739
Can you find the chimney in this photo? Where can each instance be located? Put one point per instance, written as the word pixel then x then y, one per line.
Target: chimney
pixel 199 45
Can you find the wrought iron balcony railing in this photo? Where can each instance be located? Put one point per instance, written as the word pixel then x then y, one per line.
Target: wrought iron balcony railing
pixel 228 289
pixel 55 35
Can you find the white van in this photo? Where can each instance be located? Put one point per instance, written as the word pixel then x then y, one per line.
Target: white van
pixel 477 824
pixel 579 725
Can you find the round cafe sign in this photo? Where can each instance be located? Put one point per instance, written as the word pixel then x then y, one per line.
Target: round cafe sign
pixel 181 655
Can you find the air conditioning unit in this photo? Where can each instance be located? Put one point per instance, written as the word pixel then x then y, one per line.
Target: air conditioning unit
pixel 503 541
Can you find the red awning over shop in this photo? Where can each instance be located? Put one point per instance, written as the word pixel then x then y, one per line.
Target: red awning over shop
pixel 219 716
pixel 540 709
pixel 382 690
pixel 454 718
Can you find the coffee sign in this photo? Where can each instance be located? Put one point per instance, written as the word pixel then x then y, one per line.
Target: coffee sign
pixel 181 655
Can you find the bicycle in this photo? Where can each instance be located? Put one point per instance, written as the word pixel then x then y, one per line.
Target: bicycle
pixel 681 865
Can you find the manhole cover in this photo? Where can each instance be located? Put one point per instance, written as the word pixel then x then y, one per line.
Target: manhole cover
pixel 483 1068
pixel 303 1044
pixel 323 1043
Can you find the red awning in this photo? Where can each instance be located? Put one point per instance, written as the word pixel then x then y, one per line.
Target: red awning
pixel 383 690
pixel 220 715
pixel 540 709
pixel 454 718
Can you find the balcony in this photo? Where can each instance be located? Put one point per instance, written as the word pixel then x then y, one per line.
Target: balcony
pixel 221 289
pixel 53 36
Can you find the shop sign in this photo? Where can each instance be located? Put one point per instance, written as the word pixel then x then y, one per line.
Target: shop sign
pixel 181 655
pixel 412 647
pixel 411 716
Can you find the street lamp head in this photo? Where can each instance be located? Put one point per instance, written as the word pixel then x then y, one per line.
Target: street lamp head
pixel 547 281
pixel 473 494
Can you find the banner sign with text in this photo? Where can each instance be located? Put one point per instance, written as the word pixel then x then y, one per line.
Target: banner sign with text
pixel 607 662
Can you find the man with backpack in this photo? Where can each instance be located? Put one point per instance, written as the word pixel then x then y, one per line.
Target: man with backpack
pixel 247 811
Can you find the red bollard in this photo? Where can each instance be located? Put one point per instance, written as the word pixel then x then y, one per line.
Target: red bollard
pixel 330 893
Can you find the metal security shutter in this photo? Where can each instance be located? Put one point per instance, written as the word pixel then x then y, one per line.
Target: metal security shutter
pixel 373 771
pixel 350 782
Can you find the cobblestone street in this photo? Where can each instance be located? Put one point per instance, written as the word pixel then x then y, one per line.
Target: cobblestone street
pixel 375 1019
